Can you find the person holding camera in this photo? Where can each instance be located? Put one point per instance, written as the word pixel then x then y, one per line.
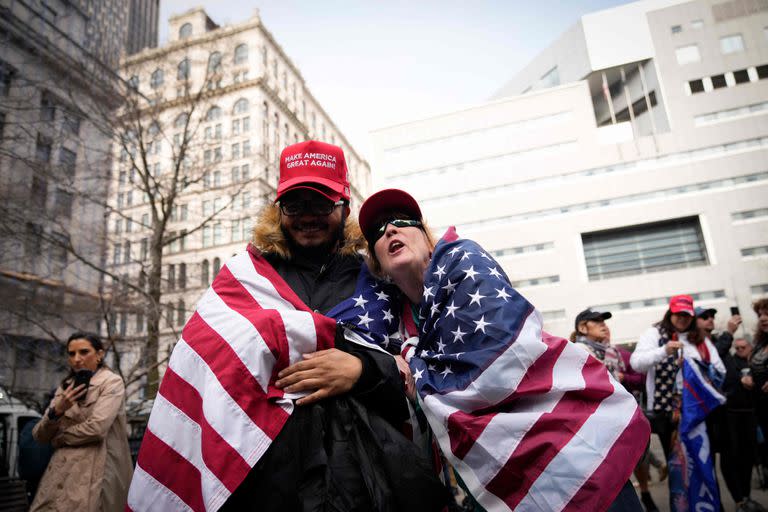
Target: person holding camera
pixel 86 424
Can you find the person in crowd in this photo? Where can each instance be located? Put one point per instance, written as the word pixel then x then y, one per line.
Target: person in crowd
pixel 310 240
pixel 705 321
pixel 658 354
pixel 592 333
pixel 758 364
pixel 467 331
pixel 91 466
pixel 740 427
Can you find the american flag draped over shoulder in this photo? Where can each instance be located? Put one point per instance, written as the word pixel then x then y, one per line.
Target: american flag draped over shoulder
pixel 529 420
pixel 217 410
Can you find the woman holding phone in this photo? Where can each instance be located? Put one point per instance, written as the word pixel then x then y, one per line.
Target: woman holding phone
pixel 86 424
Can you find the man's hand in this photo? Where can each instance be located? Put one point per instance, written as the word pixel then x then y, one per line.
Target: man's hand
pixel 733 323
pixel 747 382
pixel 764 388
pixel 326 372
pixel 405 373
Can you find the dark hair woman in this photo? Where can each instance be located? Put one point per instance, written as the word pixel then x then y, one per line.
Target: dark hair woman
pixel 658 353
pixel 91 467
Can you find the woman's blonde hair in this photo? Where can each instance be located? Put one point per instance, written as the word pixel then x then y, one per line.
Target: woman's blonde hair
pixel 373 262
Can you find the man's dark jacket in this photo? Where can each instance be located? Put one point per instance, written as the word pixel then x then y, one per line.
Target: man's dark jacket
pixel 344 453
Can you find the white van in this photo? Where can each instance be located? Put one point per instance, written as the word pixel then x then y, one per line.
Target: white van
pixel 13 416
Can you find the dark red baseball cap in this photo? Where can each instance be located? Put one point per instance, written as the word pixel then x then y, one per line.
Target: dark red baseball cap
pixel 390 200
pixel 681 304
pixel 316 166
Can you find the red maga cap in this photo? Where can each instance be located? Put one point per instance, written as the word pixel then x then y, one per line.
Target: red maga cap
pixel 681 304
pixel 385 201
pixel 312 163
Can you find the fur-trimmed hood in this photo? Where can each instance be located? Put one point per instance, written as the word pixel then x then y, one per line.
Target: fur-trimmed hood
pixel 268 237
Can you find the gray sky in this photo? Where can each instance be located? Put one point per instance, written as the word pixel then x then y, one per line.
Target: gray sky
pixel 376 63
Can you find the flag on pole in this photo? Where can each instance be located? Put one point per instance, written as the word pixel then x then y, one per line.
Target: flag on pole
pixel 529 420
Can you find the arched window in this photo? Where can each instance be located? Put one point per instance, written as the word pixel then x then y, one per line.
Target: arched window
pixel 241 53
pixel 216 266
pixel 157 78
pixel 205 276
pixel 185 31
pixel 182 72
pixel 214 62
pixel 181 120
pixel 180 313
pixel 213 114
pixel 241 106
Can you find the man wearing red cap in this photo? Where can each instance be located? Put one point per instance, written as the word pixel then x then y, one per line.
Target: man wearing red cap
pixel 309 239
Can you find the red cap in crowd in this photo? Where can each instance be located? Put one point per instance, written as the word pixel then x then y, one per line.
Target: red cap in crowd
pixel 390 200
pixel 316 166
pixel 681 304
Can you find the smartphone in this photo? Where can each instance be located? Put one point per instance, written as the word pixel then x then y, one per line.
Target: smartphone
pixel 83 377
pixel 735 310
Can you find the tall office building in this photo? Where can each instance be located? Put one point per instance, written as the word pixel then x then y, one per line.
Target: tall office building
pixel 143 18
pixel 56 79
pixel 626 163
pixel 244 100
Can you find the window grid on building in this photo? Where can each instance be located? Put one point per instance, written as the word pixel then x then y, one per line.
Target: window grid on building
pixel 645 248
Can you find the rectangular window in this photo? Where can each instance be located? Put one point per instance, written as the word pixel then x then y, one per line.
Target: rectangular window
pixel 718 81
pixel 246 148
pixel 206 236
pixel 47 107
pixel 246 124
pixel 688 54
pixel 676 29
pixel 71 123
pixel 217 154
pixel 645 248
pixel 207 209
pixel 217 234
pixel 731 44
pixel 762 71
pixel 236 232
pixel 244 172
pixel 43 149
pixel 216 178
pixel 697 24
pixel 235 174
pixel 6 75
pixel 63 203
pixel 741 76
pixel 184 212
pixel 235 126
pixel 235 151
pixel 696 86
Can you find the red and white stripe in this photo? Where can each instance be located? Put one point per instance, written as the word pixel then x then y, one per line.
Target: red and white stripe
pixel 544 427
pixel 217 410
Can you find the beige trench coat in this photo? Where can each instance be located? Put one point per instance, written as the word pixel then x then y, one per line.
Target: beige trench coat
pixel 91 467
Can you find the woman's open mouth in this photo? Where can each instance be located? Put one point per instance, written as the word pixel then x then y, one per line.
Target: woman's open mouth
pixel 395 246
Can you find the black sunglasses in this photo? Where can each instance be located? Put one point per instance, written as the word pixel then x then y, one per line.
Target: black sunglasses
pixel 375 234
pixel 706 316
pixel 313 207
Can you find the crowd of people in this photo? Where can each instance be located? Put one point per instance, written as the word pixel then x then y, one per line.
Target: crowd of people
pixel 449 392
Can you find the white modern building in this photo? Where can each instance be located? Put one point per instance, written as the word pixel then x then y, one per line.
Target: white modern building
pixel 626 163
pixel 246 101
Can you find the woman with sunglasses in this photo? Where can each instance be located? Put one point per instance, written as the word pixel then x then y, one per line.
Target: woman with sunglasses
pixel 494 388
